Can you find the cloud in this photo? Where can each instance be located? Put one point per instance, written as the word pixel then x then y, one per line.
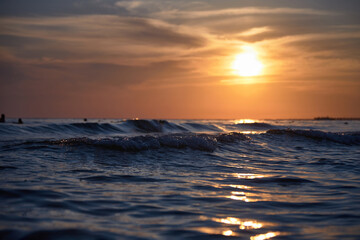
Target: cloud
pixel 129 5
pixel 150 7
pixel 328 46
pixel 231 12
pixel 48 8
pixel 101 37
pixel 133 46
pixel 252 24
pixel 83 74
pixel 314 57
pixel 255 31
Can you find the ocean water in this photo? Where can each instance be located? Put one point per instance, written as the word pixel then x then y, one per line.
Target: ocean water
pixel 179 179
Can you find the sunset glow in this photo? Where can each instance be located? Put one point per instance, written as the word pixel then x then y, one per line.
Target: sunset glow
pixel 186 119
pixel 179 59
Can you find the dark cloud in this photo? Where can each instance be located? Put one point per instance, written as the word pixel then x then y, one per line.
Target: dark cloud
pixel 57 8
pixel 68 38
pixel 145 30
pixel 87 73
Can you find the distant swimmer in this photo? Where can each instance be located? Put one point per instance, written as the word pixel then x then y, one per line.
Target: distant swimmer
pixel 85 119
pixel 20 121
pixel 2 119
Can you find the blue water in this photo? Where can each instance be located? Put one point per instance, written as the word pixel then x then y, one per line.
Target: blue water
pixel 179 179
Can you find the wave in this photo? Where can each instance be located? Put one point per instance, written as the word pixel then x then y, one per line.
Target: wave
pixel 149 126
pixel 255 125
pixel 54 234
pixel 120 178
pixel 63 128
pixel 199 127
pixel 349 138
pixel 98 128
pixel 30 194
pixel 135 135
pixel 280 180
pixel 132 127
pixel 203 142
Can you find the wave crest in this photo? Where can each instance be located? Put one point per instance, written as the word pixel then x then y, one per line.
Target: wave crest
pixel 203 142
pixel 255 125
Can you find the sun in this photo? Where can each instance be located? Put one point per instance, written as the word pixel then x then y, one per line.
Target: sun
pixel 247 64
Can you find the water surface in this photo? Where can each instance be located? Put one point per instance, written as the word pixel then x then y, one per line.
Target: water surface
pixel 180 179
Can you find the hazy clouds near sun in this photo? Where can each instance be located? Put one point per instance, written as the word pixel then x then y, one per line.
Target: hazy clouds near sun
pixel 109 58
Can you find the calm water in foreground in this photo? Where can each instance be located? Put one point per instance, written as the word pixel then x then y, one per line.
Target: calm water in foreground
pixel 183 179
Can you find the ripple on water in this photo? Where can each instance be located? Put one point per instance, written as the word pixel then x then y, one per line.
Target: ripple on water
pixel 31 194
pixel 54 235
pixel 120 178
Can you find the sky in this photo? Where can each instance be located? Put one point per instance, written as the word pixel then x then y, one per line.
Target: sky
pixel 179 59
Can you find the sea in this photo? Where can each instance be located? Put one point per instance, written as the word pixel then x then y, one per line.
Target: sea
pixel 179 179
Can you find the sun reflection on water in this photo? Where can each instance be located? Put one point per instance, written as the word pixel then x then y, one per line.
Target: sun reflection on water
pixel 243 224
pixel 227 233
pixel 224 232
pixel 240 186
pixel 239 198
pixel 252 132
pixel 265 236
pixel 247 196
pixel 229 220
pixel 242 121
pixel 250 225
pixel 238 193
pixel 248 175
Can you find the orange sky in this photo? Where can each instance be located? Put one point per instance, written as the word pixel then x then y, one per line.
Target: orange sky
pixel 175 59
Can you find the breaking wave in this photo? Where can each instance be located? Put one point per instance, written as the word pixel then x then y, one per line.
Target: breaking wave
pixel 98 128
pixel 203 142
pixel 149 126
pixel 255 125
pixel 128 127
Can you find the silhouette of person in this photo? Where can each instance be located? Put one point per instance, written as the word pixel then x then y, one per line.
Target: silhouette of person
pixel 2 119
pixel 20 121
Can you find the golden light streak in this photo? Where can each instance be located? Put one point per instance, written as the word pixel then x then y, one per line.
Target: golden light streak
pixel 248 175
pixel 208 230
pixel 239 198
pixel 240 186
pixel 238 193
pixel 242 121
pixel 265 236
pixel 250 225
pixel 228 220
pixel 227 233
pixel 243 224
